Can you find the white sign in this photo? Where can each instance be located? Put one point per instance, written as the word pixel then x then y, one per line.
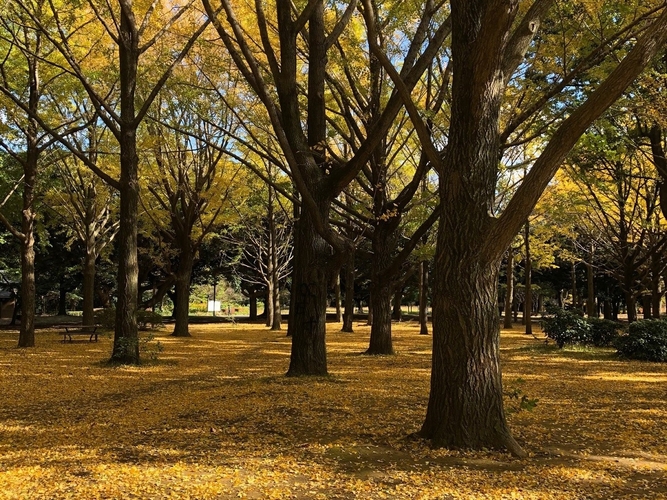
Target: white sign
pixel 213 306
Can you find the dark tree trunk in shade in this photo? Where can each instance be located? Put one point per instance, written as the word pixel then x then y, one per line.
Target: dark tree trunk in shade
pixel 380 309
pixel 509 290
pixel 182 285
pixel 528 302
pixel 631 304
pixel 348 316
pixel 423 298
pixel 62 299
pixel 337 295
pixel 591 307
pixel 607 311
pixel 646 306
pixel 89 288
pixel 656 293
pixel 252 301
pixel 396 312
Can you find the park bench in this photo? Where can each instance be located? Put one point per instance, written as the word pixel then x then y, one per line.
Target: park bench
pixel 69 330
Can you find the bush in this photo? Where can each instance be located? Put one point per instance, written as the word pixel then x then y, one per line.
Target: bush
pixel 106 318
pixel 646 340
pixel 603 332
pixel 566 327
pixel 149 320
pixel 146 320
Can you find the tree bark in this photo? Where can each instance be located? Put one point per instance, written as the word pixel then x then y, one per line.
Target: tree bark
pixel 337 294
pixel 126 338
pixel 646 306
pixel 380 308
pixel 509 291
pixel 310 281
pixel 182 285
pixel 631 304
pixel 423 298
pixel 348 316
pixel 591 309
pixel 89 287
pixel 528 302
pixel 397 313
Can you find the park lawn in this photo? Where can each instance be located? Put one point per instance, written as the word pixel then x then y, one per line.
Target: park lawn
pixel 214 417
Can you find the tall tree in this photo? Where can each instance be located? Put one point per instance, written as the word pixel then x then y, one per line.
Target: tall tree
pixel 80 35
pixel 300 127
pixel 490 40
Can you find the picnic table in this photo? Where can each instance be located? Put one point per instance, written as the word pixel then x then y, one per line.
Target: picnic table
pixel 75 329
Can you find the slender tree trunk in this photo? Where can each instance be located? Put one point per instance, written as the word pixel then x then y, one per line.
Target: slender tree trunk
pixel 268 303
pixel 590 296
pixel 574 285
pixel 656 293
pixel 423 298
pixel 276 323
pixel 28 303
pixel 339 309
pixel 89 287
pixel 348 316
pixel 126 339
pixel 528 302
pixel 369 316
pixel 509 292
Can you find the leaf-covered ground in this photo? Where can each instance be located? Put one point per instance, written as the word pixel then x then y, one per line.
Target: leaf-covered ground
pixel 214 417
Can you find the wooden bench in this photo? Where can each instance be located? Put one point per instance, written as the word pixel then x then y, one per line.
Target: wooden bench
pixel 69 330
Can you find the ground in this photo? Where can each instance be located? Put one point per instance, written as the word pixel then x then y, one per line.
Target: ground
pixel 213 417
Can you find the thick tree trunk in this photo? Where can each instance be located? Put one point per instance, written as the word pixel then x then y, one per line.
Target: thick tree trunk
pixel 89 287
pixel 348 316
pixel 396 312
pixel 509 292
pixel 423 298
pixel 646 306
pixel 380 306
pixel 465 408
pixel 631 304
pixel 62 299
pixel 252 302
pixel 310 280
pixel 182 285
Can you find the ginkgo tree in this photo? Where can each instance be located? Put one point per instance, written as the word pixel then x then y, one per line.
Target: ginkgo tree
pixel 105 48
pixel 490 42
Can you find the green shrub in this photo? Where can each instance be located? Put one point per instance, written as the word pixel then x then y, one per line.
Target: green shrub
pixel 149 320
pixel 566 327
pixel 146 320
pixel 603 332
pixel 106 318
pixel 646 340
